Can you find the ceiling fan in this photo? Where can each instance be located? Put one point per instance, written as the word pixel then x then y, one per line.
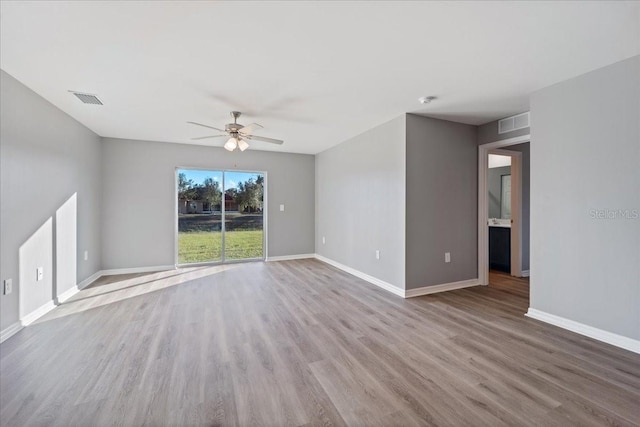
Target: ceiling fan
pixel 239 134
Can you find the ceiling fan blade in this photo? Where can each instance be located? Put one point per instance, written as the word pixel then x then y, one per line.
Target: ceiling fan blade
pixel 250 128
pixel 205 126
pixel 211 136
pixel 265 139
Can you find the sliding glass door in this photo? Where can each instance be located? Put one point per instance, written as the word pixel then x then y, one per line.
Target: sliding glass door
pixel 220 216
pixel 199 216
pixel 244 215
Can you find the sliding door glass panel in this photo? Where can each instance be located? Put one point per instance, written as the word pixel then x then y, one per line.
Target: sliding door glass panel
pixel 199 216
pixel 244 215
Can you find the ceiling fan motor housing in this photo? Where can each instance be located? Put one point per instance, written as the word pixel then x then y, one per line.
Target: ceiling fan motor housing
pixel 233 127
pixel 238 132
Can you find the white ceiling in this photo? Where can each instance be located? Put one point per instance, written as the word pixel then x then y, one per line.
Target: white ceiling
pixel 313 74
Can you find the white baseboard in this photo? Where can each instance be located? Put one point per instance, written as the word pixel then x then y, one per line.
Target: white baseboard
pixel 525 273
pixel 67 294
pixel 10 331
pixel 395 290
pixel 80 286
pixel 98 274
pixel 89 280
pixel 28 319
pixel 586 330
pixel 426 290
pixel 134 270
pixel 290 257
pixel 373 280
pixel 41 311
pixel 36 314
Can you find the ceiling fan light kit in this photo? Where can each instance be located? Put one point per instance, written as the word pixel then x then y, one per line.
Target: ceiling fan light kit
pixel 231 144
pixel 239 134
pixel 242 144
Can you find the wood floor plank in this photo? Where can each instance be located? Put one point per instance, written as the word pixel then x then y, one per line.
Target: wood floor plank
pixel 302 343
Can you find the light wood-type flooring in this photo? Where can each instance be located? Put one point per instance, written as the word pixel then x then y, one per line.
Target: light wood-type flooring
pixel 302 343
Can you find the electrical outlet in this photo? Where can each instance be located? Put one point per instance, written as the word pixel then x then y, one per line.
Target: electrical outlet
pixel 323 240
pixel 377 254
pixel 8 286
pixel 86 255
pixel 447 257
pixel 39 274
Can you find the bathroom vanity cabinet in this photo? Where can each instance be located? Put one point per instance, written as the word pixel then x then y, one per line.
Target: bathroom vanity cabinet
pixel 500 248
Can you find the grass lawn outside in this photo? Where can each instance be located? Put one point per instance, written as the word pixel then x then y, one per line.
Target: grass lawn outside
pixel 206 246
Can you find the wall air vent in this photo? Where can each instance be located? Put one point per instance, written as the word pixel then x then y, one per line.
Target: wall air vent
pixel 87 98
pixel 519 121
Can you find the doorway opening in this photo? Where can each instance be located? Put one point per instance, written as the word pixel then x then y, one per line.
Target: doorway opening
pixel 220 216
pixel 503 209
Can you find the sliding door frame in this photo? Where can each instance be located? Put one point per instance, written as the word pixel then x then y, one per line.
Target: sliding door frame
pixel 222 209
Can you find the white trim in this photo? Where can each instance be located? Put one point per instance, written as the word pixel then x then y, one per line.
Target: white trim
pixel 29 318
pixel 426 290
pixel 516 210
pixel 373 280
pixel 483 217
pixel 517 167
pixel 290 257
pixel 265 215
pixel 98 274
pixel 483 232
pixel 525 273
pixel 586 330
pixel 176 213
pixel 50 305
pixel 10 331
pixel 37 313
pixel 507 142
pixel 89 280
pixel 134 270
pixel 80 286
pixel 410 293
pixel 67 294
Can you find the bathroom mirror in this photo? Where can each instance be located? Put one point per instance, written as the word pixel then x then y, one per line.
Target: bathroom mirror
pixel 499 186
pixel 505 196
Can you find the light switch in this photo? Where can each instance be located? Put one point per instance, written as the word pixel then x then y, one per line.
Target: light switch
pixel 281 208
pixel 39 273
pixel 447 257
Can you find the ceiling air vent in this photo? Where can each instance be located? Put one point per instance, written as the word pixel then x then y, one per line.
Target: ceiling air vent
pixel 512 123
pixel 87 98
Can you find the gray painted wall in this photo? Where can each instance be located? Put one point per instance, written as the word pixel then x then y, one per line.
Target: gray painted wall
pixel 360 202
pixel 586 137
pixel 442 201
pixel 139 198
pixel 46 158
pixel 494 186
